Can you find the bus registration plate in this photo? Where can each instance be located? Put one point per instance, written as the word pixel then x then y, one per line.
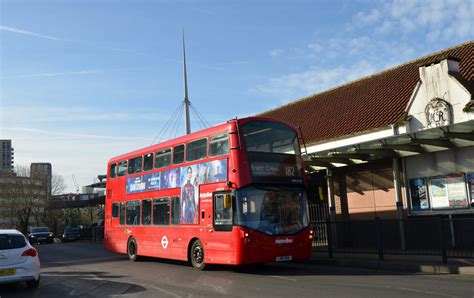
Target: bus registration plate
pixel 5 272
pixel 283 258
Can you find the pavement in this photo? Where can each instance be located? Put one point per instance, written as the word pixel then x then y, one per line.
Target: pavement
pixel 403 263
pixel 399 263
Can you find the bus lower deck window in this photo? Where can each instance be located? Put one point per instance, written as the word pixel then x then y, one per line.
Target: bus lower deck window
pixel 122 213
pixel 161 211
pixel 115 210
pixel 176 208
pixel 146 212
pixel 133 213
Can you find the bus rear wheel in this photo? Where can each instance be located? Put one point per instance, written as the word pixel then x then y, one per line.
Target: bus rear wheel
pixel 132 249
pixel 197 255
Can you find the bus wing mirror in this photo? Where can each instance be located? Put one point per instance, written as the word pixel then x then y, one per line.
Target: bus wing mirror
pixel 227 201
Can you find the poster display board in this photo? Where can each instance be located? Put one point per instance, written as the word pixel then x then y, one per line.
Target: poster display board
pixel 470 184
pixel 457 194
pixel 438 192
pixel 419 194
pixel 448 192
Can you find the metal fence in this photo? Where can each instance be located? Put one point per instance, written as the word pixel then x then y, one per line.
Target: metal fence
pixel 93 233
pixel 441 236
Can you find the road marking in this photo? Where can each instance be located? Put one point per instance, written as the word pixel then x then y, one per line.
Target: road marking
pixel 92 276
pixel 153 287
pixel 85 260
pixel 397 288
pixel 285 278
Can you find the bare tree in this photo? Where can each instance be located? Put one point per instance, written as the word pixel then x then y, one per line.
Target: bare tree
pixel 58 186
pixel 21 198
pixel 55 218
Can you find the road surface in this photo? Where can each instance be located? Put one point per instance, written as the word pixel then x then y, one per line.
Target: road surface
pixel 83 269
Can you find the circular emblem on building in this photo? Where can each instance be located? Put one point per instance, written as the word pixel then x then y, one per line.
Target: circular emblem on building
pixel 164 242
pixel 438 113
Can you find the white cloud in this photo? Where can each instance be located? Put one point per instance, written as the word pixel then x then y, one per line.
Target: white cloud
pixel 443 19
pixel 83 155
pixel 315 47
pixel 276 53
pixel 51 133
pixel 384 28
pixel 202 10
pixel 35 115
pixel 369 18
pixel 21 31
pixel 52 74
pixel 385 35
pixel 94 45
pixel 291 86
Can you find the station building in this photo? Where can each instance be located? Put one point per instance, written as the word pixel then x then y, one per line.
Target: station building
pixel 396 144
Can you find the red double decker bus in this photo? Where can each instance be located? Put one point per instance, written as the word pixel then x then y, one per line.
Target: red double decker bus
pixel 230 194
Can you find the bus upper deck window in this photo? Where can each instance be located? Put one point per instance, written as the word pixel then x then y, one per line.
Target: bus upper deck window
pixel 163 158
pixel 196 150
pixel 178 154
pixel 122 168
pixel 135 165
pixel 219 144
pixel 113 170
pixel 148 162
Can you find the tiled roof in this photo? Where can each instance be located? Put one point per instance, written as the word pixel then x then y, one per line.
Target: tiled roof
pixel 367 104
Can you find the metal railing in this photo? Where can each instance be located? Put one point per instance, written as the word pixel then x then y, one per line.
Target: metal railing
pixel 95 233
pixel 439 236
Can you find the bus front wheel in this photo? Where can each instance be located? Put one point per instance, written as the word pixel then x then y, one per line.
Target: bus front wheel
pixel 197 255
pixel 132 249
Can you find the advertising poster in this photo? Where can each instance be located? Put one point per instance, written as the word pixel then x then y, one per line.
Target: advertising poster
pixel 170 178
pixel 470 183
pixel 438 192
pixel 187 178
pixel 152 181
pixel 457 194
pixel 192 177
pixel 135 184
pixel 419 195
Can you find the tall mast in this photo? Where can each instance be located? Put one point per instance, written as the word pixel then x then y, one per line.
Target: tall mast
pixel 186 102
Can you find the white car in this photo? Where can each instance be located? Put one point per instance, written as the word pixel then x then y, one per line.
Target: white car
pixel 19 260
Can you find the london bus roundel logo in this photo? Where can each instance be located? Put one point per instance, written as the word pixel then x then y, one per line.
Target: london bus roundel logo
pixel 164 242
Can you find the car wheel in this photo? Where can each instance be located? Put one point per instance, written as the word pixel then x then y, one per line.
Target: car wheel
pixel 33 283
pixel 197 255
pixel 132 249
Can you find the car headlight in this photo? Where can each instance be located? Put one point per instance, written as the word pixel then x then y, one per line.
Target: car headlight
pixel 50 234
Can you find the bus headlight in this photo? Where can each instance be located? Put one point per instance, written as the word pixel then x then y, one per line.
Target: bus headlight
pixel 246 237
pixel 311 234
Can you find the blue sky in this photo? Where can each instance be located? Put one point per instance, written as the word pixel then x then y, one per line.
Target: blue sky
pixel 83 81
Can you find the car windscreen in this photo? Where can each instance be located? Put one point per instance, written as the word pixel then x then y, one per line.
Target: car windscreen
pixel 39 230
pixel 11 241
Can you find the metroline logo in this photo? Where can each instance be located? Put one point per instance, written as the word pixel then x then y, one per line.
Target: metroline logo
pixel 206 195
pixel 283 241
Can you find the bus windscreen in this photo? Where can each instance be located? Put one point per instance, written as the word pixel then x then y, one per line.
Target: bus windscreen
pixel 272 210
